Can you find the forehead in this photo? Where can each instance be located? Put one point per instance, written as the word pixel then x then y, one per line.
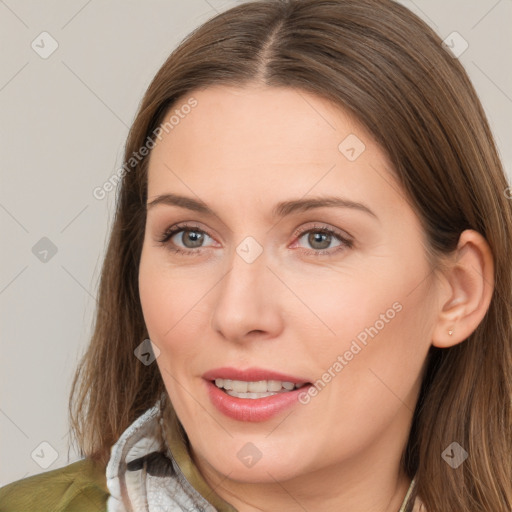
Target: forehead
pixel 257 142
pixel 255 118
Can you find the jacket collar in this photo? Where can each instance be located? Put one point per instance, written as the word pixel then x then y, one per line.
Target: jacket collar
pixel 143 474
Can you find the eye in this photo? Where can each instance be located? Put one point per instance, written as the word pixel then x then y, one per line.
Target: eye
pixel 191 237
pixel 320 239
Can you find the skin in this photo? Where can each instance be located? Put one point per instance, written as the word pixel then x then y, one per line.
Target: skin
pixel 241 151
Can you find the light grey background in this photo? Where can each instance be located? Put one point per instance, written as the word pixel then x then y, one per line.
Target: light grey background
pixel 64 120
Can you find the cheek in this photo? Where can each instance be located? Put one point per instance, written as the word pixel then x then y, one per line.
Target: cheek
pixel 383 350
pixel 171 307
pixel 376 316
pixel 357 305
pixel 167 325
pixel 153 296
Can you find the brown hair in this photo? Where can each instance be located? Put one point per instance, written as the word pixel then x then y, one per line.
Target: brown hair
pixel 379 61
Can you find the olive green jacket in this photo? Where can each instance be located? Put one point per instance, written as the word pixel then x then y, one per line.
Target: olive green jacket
pixel 80 487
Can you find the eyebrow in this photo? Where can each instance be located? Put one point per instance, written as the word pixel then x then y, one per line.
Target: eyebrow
pixel 282 209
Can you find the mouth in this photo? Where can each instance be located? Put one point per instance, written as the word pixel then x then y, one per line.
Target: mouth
pixel 253 394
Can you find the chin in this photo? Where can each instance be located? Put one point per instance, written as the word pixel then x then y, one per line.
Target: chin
pixel 260 473
pixel 249 464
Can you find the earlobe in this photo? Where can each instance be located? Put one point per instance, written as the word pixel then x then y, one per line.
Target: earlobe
pixel 465 299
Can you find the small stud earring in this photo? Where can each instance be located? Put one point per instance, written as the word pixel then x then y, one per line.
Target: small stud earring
pixel 450 332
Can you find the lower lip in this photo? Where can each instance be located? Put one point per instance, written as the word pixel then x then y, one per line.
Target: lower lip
pixel 252 409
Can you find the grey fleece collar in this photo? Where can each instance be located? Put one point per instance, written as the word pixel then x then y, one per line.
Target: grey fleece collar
pixel 142 475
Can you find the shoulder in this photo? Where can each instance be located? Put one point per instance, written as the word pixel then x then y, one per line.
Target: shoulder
pixel 80 486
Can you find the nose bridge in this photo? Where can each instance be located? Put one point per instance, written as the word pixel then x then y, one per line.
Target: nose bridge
pixel 245 303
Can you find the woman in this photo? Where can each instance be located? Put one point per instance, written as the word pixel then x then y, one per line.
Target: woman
pixel 306 291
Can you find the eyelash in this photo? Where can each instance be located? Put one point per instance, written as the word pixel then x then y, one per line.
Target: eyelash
pixel 170 232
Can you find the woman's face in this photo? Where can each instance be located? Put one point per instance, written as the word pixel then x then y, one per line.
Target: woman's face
pixel 252 289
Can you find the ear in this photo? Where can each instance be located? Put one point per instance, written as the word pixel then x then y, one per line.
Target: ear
pixel 467 291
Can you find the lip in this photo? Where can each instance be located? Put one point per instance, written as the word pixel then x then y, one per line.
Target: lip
pixel 252 409
pixel 251 375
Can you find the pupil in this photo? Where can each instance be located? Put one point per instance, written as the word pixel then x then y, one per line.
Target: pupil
pixel 317 237
pixel 195 238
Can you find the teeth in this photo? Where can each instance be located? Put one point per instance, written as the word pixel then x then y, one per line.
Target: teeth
pixel 257 389
pixel 274 385
pixel 240 386
pixel 224 383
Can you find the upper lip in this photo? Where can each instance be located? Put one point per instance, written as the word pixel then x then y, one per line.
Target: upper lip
pixel 250 375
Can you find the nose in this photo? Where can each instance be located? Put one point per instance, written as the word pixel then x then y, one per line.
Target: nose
pixel 247 304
